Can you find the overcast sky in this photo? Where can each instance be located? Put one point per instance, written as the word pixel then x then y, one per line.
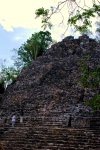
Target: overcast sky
pixel 17 23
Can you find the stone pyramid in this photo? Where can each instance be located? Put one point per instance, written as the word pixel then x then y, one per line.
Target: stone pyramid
pixel 50 85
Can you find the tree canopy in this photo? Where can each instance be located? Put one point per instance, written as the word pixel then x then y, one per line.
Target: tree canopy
pixel 33 47
pixel 80 13
pixel 8 75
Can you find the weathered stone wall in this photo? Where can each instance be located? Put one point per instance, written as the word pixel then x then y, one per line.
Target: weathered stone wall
pixel 51 84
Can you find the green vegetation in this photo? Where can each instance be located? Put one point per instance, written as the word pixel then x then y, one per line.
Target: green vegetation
pixel 90 78
pixel 45 17
pixel 80 16
pixel 84 17
pixel 9 74
pixel 95 102
pixel 35 46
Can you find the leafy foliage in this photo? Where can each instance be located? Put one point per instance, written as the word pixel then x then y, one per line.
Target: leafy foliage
pixel 7 75
pixel 90 78
pixel 85 17
pixel 79 17
pixel 42 11
pixel 95 102
pixel 33 47
pixel 45 17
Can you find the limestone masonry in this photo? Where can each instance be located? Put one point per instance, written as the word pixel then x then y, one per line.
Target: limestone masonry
pixel 51 84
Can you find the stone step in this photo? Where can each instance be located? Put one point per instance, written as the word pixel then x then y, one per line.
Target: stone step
pixel 28 137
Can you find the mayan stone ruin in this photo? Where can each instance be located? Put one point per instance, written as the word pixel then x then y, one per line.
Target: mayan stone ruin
pixel 49 91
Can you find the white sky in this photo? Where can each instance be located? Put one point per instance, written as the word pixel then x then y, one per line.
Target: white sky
pixel 15 14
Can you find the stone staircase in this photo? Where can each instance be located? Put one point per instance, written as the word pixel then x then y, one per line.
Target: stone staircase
pixel 36 135
pixel 51 84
